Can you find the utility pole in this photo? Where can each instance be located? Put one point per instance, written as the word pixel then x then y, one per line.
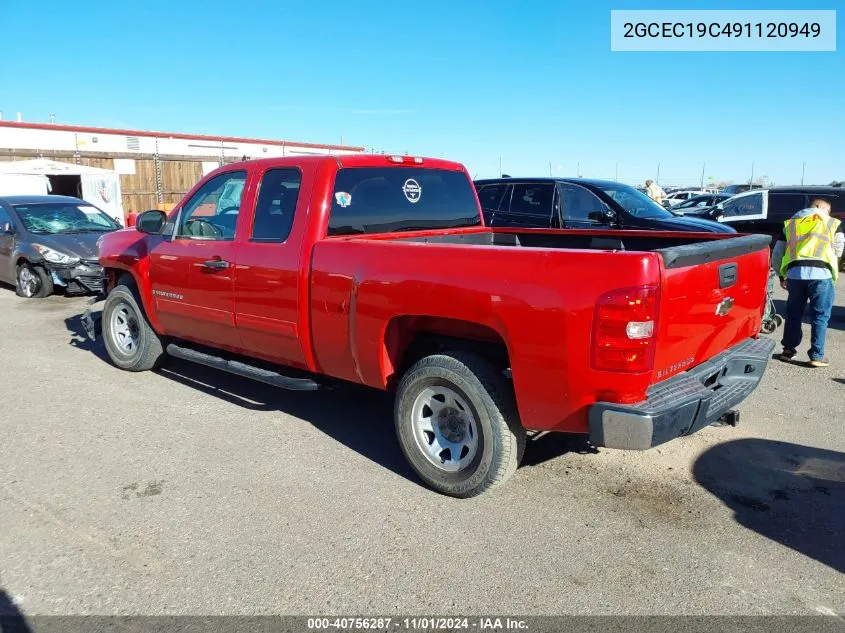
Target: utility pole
pixel 658 173
pixel 803 165
pixel 751 182
pixel 702 175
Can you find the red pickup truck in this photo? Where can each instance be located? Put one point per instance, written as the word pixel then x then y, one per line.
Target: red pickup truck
pixel 379 270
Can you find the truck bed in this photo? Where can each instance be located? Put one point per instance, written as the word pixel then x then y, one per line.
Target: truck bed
pixel 536 291
pixel 675 249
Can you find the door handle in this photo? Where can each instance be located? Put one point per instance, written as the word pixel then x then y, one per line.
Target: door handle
pixel 215 264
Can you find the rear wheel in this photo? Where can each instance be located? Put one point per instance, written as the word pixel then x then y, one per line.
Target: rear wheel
pixel 457 423
pixel 130 341
pixel 33 282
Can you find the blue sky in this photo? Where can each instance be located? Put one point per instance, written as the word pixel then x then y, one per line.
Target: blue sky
pixel 467 80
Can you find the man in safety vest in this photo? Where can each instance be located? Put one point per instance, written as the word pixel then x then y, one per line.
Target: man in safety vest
pixel 654 191
pixel 807 262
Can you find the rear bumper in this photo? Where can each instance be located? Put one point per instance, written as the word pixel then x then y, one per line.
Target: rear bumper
pixel 685 403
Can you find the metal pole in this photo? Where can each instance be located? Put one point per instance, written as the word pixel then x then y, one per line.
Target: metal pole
pixel 803 165
pixel 658 173
pixel 702 175
pixel 550 169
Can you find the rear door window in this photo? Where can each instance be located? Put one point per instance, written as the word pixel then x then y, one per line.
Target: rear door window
pixel 783 206
pixel 748 206
pixel 276 205
pixel 386 199
pixel 533 200
pixel 491 196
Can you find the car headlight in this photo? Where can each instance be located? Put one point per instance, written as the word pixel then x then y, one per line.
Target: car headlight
pixel 53 256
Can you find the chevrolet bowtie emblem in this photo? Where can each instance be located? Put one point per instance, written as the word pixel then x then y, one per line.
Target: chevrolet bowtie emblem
pixel 725 306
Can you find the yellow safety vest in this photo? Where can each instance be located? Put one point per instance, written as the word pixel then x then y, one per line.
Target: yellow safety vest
pixel 810 238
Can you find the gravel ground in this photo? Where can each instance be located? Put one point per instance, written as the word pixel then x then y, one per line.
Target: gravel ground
pixel 186 491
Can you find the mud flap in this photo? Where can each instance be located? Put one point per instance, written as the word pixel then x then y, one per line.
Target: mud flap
pixel 91 319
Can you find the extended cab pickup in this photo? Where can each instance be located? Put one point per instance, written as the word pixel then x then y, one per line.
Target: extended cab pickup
pixel 378 270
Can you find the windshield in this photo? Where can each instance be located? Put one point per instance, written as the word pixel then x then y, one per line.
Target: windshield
pixel 387 199
pixel 635 202
pixel 63 217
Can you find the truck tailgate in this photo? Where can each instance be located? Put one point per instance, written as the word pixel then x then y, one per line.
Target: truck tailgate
pixel 712 297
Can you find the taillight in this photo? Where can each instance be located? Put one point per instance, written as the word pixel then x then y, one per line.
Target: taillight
pixel 624 328
pixel 407 160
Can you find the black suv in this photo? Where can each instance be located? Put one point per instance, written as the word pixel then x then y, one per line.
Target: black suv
pixel 765 211
pixel 735 189
pixel 579 203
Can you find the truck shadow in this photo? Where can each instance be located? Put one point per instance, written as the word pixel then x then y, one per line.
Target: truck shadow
pixel 79 339
pixel 11 618
pixel 358 417
pixel 789 493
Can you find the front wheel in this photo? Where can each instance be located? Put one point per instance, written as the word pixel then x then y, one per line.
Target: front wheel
pixel 457 424
pixel 33 282
pixel 130 341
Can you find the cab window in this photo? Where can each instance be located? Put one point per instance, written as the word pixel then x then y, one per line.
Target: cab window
pixel 274 211
pixel 212 212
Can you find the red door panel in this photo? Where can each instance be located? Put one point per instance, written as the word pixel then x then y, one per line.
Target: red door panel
pixel 267 279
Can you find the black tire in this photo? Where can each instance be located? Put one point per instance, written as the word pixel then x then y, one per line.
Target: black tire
pixel 500 438
pixel 147 352
pixel 43 282
pixel 768 327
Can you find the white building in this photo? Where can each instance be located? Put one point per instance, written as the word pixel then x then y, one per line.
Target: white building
pixel 155 168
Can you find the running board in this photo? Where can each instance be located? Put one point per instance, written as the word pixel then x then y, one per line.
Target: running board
pixel 242 369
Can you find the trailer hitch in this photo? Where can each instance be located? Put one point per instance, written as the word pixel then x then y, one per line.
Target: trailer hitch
pixel 729 418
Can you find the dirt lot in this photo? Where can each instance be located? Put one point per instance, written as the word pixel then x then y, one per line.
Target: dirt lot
pixel 187 491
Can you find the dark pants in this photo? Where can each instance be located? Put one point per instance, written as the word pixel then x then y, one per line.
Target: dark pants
pixel 819 292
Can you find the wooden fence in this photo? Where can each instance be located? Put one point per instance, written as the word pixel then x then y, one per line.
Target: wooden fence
pixel 141 190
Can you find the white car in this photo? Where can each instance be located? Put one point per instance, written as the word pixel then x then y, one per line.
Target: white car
pixel 677 197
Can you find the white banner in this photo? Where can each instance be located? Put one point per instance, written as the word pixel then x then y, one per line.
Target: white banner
pixel 103 191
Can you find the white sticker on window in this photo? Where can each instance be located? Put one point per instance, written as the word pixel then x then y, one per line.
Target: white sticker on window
pixel 412 190
pixel 343 199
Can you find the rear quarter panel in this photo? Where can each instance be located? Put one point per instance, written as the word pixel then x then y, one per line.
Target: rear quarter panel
pixel 540 302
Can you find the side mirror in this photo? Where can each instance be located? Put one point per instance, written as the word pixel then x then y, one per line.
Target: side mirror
pixel 7 229
pixel 151 222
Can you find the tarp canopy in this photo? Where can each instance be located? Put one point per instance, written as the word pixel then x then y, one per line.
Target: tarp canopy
pixel 100 187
